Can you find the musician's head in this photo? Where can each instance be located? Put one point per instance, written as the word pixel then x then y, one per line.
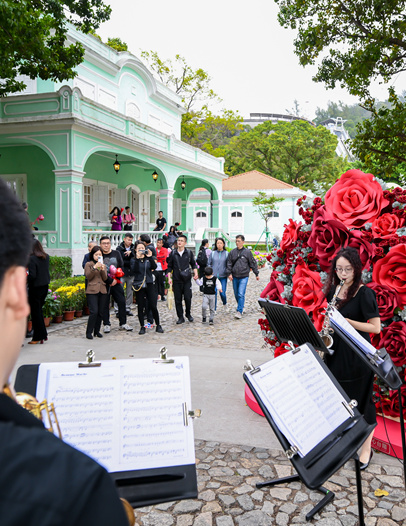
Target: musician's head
pixel 346 266
pixel 15 247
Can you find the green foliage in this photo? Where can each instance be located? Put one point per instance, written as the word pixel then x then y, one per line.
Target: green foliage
pixel 351 114
pixel 264 205
pixel 52 305
pixel 117 44
pixel 33 38
pixel 200 127
pixel 295 152
pixel 60 267
pixel 66 282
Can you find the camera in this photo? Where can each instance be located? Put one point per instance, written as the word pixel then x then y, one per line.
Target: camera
pixel 142 251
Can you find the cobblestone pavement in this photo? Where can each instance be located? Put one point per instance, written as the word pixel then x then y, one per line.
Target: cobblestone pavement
pixel 227 473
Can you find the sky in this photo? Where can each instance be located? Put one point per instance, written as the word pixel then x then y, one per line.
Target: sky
pixel 248 55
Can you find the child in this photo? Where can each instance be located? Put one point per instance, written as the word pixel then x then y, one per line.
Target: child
pixel 209 284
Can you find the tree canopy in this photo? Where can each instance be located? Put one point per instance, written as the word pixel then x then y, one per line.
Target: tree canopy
pixel 295 152
pixel 33 38
pixel 354 43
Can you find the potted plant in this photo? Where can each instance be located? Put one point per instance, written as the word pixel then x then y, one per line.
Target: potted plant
pixel 68 301
pixel 80 299
pixel 50 307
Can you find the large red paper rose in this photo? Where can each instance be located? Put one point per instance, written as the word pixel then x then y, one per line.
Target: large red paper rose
pixel 388 300
pixel 274 289
pixel 364 248
pixel 289 237
pixel 394 401
pixel 386 225
pixel 393 338
pixel 282 349
pixel 390 271
pixel 319 314
pixel 307 289
pixel 327 237
pixel 355 199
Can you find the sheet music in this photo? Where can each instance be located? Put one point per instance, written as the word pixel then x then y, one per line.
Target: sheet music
pixel 126 414
pixel 338 319
pixel 301 398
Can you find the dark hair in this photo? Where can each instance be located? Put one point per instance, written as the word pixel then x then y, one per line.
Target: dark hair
pixel 204 243
pixel 118 210
pixel 139 242
pixel 126 208
pixel 37 250
pixel 184 237
pixel 103 238
pixel 172 228
pixel 160 239
pixel 93 251
pixel 160 212
pixel 333 280
pixel 208 271
pixel 15 232
pixel 128 234
pixel 146 238
pixel 177 224
pixel 219 239
pixel 240 236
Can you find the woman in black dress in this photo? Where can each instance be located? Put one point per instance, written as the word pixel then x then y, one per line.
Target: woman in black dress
pixel 38 281
pixel 358 305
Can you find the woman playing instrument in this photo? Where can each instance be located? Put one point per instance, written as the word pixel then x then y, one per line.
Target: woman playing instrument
pixel 358 305
pixel 143 284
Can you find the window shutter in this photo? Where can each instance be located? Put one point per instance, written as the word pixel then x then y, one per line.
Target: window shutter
pixel 100 200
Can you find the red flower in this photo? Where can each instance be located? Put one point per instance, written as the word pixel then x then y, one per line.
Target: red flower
pixel 391 271
pixel 355 199
pixel 365 249
pixel 327 237
pixel 282 349
pixel 274 289
pixel 386 225
pixel 379 253
pixel 307 289
pixel 388 300
pixel 394 401
pixel 393 338
pixel 289 237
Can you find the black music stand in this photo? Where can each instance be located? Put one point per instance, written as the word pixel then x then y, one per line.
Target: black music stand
pixel 291 324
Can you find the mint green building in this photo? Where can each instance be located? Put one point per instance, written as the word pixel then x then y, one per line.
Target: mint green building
pixel 58 143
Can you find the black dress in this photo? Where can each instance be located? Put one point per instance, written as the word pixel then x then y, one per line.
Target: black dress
pixel 352 373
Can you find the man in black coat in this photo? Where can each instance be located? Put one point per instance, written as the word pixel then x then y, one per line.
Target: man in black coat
pixel 180 261
pixel 126 250
pixel 43 481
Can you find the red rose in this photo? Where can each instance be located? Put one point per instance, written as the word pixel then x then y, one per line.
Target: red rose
pixel 386 225
pixel 379 253
pixel 388 300
pixel 365 250
pixel 394 401
pixel 282 349
pixel 307 289
pixel 327 237
pixel 391 271
pixel 355 199
pixel 274 289
pixel 393 338
pixel 289 237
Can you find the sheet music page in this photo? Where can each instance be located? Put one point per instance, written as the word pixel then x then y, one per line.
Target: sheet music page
pixel 338 319
pixel 126 414
pixel 301 398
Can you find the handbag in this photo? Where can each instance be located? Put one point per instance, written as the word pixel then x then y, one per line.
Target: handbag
pixel 185 275
pixel 138 285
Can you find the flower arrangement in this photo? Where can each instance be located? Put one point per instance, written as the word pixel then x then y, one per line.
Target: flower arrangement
pixel 260 258
pixel 357 211
pixel 52 305
pixel 72 296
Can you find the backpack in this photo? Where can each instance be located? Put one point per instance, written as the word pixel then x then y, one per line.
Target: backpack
pixel 201 259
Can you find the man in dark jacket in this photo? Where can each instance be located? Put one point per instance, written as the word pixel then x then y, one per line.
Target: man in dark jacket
pixel 179 262
pixel 113 257
pixel 42 480
pixel 239 263
pixel 126 250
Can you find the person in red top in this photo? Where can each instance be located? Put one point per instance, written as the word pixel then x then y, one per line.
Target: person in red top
pixel 162 265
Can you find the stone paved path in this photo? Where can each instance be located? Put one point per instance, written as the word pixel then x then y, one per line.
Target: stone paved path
pixel 227 473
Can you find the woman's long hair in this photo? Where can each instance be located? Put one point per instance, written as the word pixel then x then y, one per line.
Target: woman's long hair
pixel 219 239
pixel 116 211
pixel 333 280
pixel 37 250
pixel 93 251
pixel 204 243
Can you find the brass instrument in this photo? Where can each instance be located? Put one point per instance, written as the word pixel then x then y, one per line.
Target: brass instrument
pixel 31 404
pixel 327 331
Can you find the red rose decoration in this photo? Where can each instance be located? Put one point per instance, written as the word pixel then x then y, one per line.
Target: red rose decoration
pixel 282 349
pixel 307 289
pixel 274 289
pixel 388 300
pixel 393 338
pixel 355 199
pixel 390 271
pixel 289 237
pixel 327 237
pixel 319 314
pixel 364 248
pixel 394 401
pixel 386 225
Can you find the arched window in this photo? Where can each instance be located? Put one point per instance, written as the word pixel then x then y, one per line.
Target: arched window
pixel 201 220
pixel 236 214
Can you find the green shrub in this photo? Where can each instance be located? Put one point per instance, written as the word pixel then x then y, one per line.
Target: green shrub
pixel 60 267
pixel 66 282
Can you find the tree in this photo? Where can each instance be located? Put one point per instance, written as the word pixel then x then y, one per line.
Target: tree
pixel 117 44
pixel 354 43
pixel 200 127
pixel 33 38
pixel 295 152
pixel 264 207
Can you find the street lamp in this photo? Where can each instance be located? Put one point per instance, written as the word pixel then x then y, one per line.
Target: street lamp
pixel 116 165
pixel 155 176
pixel 183 184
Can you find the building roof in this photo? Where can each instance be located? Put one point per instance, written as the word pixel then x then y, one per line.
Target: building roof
pixel 254 180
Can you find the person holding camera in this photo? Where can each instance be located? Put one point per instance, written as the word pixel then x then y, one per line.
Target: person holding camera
pixel 96 291
pixel 142 266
